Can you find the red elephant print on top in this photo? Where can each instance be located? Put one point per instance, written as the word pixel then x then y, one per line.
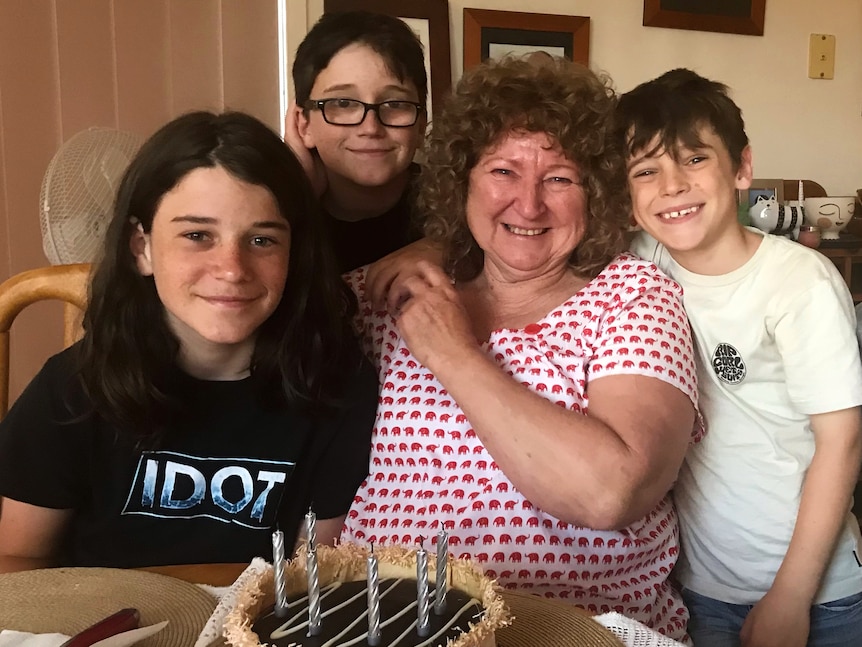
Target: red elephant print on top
pixel 628 320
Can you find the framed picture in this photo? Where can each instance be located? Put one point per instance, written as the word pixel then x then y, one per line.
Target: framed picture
pixel 492 34
pixel 761 189
pixel 430 20
pixel 728 16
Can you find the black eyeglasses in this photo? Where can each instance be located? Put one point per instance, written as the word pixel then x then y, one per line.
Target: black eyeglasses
pixel 351 112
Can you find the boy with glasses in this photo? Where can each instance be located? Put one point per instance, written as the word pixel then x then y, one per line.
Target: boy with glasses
pixel 360 89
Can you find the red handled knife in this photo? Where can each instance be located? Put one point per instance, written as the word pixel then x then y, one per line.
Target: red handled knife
pixel 124 620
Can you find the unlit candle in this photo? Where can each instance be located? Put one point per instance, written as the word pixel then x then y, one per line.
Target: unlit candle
pixel 442 563
pixel 313 593
pixel 310 532
pixel 424 621
pixel 373 601
pixel 278 573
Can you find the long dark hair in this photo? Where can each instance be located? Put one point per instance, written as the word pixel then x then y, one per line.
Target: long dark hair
pixel 304 353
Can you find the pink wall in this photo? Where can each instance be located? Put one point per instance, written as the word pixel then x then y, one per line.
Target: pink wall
pixel 67 65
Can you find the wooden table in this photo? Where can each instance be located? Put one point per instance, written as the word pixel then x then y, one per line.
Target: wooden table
pixel 212 574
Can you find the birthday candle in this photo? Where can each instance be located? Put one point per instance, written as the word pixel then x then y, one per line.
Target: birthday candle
pixel 801 194
pixel 313 593
pixel 278 573
pixel 310 523
pixel 442 563
pixel 424 624
pixel 373 600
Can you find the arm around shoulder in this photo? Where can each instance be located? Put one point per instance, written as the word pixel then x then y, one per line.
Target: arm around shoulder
pixel 384 284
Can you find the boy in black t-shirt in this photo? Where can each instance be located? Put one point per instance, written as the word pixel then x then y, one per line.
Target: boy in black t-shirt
pixel 358 118
pixel 218 390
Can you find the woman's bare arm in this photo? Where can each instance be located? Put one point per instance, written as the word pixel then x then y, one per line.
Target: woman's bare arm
pixel 604 470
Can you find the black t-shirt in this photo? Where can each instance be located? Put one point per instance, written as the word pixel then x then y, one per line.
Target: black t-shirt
pixel 213 490
pixel 360 242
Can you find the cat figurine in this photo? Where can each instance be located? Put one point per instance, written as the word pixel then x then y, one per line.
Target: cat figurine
pixel 773 218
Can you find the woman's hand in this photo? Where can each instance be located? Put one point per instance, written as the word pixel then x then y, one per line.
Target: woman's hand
pixel 431 318
pixel 310 160
pixel 385 281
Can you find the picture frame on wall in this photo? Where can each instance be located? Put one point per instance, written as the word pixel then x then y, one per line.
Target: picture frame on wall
pixel 726 16
pixel 771 188
pixel 430 20
pixel 492 34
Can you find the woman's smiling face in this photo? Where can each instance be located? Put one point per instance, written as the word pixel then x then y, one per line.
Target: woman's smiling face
pixel 526 207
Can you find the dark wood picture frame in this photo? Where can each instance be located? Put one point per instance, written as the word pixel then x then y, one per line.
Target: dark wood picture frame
pixel 436 12
pixel 726 16
pixel 485 26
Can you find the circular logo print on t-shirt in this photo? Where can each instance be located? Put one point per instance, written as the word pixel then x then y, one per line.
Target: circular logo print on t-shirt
pixel 727 364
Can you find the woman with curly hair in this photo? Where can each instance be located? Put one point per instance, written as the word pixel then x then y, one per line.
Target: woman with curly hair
pixel 538 393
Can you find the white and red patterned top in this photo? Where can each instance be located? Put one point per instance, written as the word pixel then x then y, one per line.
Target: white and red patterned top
pixel 428 467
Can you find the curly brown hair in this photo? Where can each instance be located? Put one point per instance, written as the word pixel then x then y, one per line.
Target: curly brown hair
pixel 565 100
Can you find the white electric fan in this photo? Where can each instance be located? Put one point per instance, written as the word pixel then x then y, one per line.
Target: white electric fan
pixel 78 192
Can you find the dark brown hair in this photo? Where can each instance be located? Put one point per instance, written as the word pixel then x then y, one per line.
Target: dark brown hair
pixel 672 109
pixel 388 36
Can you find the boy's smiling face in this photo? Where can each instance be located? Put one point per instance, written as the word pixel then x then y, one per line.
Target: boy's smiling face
pixel 368 154
pixel 689 203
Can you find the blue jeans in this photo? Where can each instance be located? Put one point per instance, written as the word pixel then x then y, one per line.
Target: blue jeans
pixel 717 624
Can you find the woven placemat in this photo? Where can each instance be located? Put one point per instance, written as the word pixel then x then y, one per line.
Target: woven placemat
pixel 68 600
pixel 550 623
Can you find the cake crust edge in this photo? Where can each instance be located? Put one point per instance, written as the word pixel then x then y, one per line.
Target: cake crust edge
pixel 346 563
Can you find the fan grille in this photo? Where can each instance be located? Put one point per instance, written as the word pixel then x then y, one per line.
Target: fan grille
pixel 78 193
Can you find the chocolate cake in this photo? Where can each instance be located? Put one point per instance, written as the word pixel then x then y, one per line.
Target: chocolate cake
pixel 474 609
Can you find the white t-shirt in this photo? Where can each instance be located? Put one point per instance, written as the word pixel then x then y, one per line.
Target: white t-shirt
pixel 775 343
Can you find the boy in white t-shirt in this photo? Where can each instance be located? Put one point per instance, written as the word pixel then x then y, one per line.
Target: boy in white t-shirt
pixel 771 552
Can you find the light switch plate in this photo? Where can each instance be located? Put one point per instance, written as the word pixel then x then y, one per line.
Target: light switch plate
pixel 821 56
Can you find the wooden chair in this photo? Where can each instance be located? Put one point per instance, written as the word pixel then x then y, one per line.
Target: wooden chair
pixel 66 283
